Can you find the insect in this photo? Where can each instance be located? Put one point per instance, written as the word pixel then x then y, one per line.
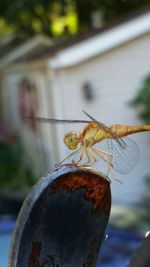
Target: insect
pixel 122 154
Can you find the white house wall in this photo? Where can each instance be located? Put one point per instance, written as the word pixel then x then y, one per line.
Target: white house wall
pixel 115 77
pixel 38 147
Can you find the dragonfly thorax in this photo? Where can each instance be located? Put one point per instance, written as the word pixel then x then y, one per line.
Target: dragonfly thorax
pixel 72 140
pixel 92 134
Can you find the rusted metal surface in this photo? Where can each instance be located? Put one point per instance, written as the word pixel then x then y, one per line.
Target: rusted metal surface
pixel 96 189
pixel 34 257
pixel 63 220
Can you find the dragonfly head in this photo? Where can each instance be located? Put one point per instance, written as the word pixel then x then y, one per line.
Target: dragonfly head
pixel 71 140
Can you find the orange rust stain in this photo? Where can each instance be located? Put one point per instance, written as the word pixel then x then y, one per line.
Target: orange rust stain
pixel 33 260
pixel 97 189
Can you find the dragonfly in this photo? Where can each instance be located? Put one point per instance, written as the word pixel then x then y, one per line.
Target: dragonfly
pixel 122 153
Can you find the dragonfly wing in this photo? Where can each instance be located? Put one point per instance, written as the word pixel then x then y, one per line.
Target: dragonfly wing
pixel 106 129
pixel 125 158
pixel 57 121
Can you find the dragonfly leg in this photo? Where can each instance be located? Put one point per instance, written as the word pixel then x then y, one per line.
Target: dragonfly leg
pixel 109 163
pixel 69 156
pixel 97 152
pixel 103 152
pixel 89 154
pixel 110 166
pixel 81 155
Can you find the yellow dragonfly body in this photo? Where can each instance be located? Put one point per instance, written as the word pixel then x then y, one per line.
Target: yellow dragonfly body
pixel 122 153
pixel 93 133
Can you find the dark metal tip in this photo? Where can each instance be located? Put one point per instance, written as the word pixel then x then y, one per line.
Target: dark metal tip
pixel 63 219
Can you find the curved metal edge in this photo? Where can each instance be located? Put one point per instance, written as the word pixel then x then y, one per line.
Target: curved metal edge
pixel 141 256
pixel 35 193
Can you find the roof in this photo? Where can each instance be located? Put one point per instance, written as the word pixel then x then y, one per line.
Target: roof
pixel 7 43
pixel 82 46
pixel 102 42
pixel 11 50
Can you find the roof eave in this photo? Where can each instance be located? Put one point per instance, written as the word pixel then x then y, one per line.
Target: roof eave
pixel 101 43
pixel 24 48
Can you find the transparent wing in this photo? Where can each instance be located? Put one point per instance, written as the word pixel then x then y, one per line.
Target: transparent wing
pixel 58 121
pixel 120 141
pixel 125 158
pixel 101 125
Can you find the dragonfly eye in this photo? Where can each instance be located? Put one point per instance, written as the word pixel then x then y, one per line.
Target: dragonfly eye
pixel 71 140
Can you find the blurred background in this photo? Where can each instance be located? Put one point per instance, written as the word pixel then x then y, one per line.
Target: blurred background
pixel 58 58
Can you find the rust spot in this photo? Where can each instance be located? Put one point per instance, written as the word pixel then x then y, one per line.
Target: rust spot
pixel 33 260
pixel 97 189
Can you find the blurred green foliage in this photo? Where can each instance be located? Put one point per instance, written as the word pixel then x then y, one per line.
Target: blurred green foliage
pixel 147 180
pixel 13 173
pixel 28 17
pixel 142 100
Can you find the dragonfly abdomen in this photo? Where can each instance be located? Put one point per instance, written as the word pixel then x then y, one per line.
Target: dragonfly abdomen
pixel 124 130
